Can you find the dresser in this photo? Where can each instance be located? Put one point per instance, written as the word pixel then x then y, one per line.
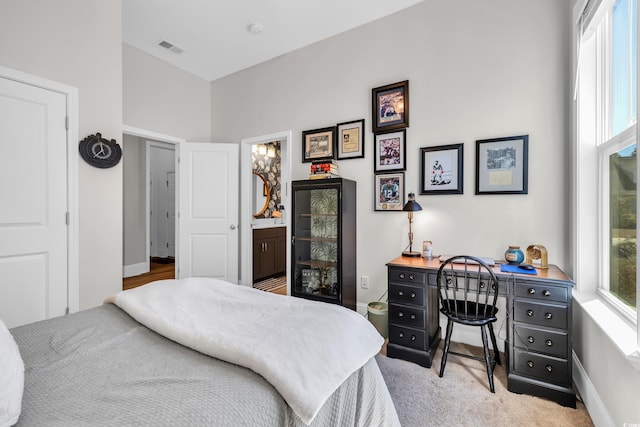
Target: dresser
pixel 538 344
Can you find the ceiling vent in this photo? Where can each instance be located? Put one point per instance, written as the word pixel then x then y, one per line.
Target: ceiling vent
pixel 170 47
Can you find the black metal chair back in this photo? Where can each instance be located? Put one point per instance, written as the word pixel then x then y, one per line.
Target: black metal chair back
pixel 468 293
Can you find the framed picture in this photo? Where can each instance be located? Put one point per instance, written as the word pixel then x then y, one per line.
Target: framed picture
pixel 502 165
pixel 390 149
pixel 351 140
pixel 390 107
pixel 318 144
pixel 389 191
pixel 441 169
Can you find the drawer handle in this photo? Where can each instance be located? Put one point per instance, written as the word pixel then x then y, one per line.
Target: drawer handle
pixel 548 316
pixel 401 314
pixel 401 334
pixel 413 317
pixel 546 293
pixel 411 277
pixel 413 337
pixel 530 364
pixel 531 340
pixel 400 293
pixel 549 368
pixel 549 343
pixel 413 294
pixel 530 313
pixel 402 275
pixel 532 291
pixel 483 285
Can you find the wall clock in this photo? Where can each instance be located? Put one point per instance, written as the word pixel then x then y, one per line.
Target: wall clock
pixel 100 152
pixel 537 256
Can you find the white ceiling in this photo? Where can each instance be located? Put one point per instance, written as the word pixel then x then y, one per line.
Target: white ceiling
pixel 214 33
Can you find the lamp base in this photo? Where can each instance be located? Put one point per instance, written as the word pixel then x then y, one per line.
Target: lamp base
pixel 411 254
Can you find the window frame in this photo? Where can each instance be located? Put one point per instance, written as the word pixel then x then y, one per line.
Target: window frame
pixel 593 146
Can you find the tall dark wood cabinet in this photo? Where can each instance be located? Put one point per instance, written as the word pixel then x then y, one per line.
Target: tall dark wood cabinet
pixel 323 244
pixel 269 252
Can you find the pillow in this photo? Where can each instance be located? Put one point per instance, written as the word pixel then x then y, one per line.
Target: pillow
pixel 11 378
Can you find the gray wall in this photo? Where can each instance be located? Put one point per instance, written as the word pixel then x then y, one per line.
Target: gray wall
pixel 164 99
pixel 134 208
pixel 79 43
pixel 474 72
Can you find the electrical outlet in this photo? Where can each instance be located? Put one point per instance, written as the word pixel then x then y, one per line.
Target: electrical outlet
pixel 364 282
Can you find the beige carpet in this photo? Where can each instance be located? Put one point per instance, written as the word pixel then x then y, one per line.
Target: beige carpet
pixel 462 396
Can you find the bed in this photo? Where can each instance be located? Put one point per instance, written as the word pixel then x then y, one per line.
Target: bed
pixel 202 352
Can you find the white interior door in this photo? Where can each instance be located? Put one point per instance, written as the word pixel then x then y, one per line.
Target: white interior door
pixel 171 213
pixel 33 207
pixel 208 211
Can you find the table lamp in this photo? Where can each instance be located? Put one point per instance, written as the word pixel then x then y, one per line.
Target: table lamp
pixel 410 207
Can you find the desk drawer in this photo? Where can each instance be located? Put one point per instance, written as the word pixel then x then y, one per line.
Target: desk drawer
pixel 408 316
pixel 407 337
pixel 406 294
pixel 542 292
pixel 553 316
pixel 549 369
pixel 406 276
pixel 542 341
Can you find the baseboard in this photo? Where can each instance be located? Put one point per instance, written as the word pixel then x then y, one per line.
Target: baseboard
pixel 361 308
pixel 134 269
pixel 589 395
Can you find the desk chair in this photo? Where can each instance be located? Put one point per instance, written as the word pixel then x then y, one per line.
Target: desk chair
pixel 463 301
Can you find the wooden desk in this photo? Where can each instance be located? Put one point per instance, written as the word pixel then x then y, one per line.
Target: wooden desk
pixel 538 345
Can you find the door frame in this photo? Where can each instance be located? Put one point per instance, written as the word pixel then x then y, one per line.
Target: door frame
pixel 246 214
pixel 71 95
pixel 155 136
pixel 149 146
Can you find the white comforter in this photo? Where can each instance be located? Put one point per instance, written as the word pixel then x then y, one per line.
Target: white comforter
pixel 305 349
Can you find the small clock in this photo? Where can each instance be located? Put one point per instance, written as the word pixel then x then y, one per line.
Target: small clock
pixel 537 255
pixel 100 152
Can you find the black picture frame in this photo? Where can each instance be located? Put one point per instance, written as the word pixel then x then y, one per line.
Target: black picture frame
pixel 350 140
pixel 318 144
pixel 441 169
pixel 390 107
pixel 390 150
pixel 386 199
pixel 502 165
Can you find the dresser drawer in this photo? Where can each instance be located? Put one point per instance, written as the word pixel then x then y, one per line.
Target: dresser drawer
pixel 408 316
pixel 406 276
pixel 542 341
pixel 406 294
pixel 540 291
pixel 549 369
pixel 552 316
pixel 407 337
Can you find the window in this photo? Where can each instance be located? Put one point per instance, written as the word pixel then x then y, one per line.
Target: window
pixel 606 141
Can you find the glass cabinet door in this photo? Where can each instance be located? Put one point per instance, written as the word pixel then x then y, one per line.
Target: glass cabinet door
pixel 315 249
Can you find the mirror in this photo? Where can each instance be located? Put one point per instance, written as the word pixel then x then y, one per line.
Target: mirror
pixel 261 195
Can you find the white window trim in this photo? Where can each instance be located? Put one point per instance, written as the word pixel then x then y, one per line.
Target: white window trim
pixel 622 328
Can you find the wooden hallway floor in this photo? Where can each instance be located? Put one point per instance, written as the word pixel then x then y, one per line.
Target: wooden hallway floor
pixel 158 272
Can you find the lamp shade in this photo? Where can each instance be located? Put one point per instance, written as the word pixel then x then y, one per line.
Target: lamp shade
pixel 412 205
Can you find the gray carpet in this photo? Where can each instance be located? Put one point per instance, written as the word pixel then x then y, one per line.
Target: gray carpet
pixel 462 397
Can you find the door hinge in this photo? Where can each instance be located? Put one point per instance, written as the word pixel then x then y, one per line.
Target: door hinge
pixel 167 214
pixel 167 244
pixel 66 122
pixel 66 218
pixel 66 310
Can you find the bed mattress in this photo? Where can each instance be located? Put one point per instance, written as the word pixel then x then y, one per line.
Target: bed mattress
pixel 101 367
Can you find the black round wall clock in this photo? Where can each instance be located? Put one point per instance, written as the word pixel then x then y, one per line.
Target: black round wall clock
pixel 100 152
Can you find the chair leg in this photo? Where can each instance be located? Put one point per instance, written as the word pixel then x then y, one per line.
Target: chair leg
pixel 445 348
pixel 487 357
pixel 496 356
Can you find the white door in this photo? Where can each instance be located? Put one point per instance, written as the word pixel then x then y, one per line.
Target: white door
pixel 33 203
pixel 161 161
pixel 171 213
pixel 208 211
